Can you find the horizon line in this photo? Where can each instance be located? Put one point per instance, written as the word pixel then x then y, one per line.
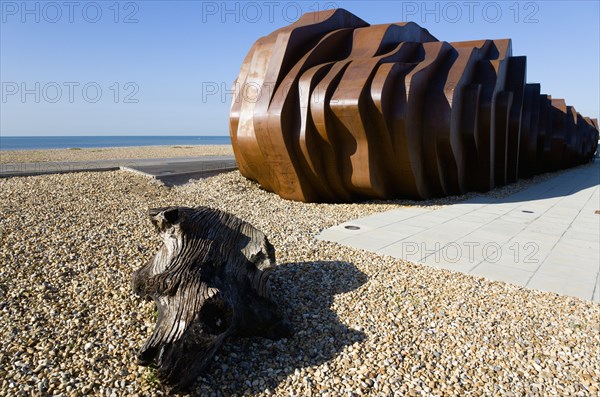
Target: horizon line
pixel 60 136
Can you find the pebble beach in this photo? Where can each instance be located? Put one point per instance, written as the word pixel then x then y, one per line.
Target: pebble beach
pixel 365 324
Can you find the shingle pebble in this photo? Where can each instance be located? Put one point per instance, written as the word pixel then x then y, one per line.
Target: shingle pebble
pixel 366 325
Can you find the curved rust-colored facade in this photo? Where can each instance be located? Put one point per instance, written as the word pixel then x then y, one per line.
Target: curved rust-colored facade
pixel 332 109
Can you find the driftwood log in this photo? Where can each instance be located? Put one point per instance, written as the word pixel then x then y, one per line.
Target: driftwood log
pixel 209 281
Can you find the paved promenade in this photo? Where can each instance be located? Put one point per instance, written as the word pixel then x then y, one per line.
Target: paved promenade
pixel 168 170
pixel 545 237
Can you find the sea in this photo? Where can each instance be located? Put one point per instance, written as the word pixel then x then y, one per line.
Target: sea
pixel 74 142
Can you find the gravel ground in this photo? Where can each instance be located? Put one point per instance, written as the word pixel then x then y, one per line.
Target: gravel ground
pixel 34 156
pixel 365 324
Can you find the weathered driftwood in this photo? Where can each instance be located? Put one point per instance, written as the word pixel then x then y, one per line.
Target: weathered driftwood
pixel 209 281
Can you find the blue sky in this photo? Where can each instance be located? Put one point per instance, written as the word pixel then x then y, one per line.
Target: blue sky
pixel 165 67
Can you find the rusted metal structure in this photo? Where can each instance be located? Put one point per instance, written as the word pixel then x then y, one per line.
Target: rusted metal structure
pixel 332 109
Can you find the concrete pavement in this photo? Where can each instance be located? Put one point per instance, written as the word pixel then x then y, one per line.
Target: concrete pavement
pixel 168 170
pixel 545 237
